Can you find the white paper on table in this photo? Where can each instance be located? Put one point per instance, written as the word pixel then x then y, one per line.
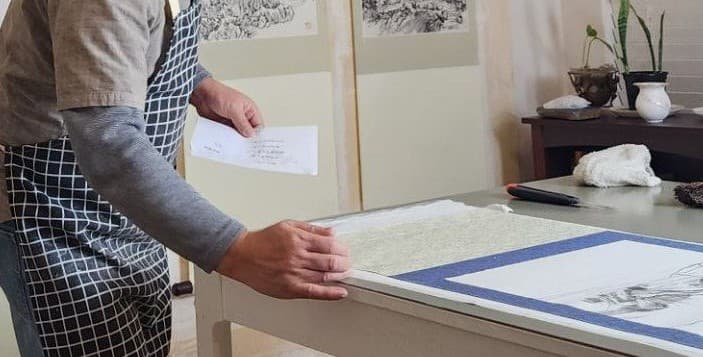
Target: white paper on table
pixel 649 284
pixel 395 216
pixel 280 149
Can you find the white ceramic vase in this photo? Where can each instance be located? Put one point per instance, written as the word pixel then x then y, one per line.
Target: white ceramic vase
pixel 653 103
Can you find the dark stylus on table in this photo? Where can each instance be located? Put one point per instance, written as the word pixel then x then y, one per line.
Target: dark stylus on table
pixel 542 196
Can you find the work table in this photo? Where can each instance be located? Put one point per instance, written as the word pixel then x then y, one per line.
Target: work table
pixel 379 319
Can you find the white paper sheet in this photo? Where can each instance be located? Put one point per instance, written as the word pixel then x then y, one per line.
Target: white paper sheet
pixel 644 283
pixel 392 217
pixel 280 149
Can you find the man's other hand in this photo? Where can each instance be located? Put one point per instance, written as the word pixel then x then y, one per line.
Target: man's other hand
pixel 216 101
pixel 289 260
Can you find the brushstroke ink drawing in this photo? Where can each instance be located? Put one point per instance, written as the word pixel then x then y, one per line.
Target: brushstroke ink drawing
pixel 654 295
pixel 408 17
pixel 224 20
pixel 615 281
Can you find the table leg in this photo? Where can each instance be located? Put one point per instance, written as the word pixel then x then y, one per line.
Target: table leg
pixel 539 153
pixel 558 162
pixel 213 332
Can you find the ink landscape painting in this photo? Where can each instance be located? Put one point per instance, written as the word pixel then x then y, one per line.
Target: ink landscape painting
pixel 411 17
pixel 615 280
pixel 226 20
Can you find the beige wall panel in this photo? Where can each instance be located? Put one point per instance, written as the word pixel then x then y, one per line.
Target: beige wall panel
pixel 7 333
pixel 422 134
pixel 259 198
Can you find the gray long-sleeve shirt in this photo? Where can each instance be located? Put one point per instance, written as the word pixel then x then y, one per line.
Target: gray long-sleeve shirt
pixel 113 153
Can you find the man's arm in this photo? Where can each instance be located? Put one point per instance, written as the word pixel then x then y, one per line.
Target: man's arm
pixel 121 164
pixel 287 260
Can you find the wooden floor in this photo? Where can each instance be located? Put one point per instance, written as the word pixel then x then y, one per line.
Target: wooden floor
pixel 246 342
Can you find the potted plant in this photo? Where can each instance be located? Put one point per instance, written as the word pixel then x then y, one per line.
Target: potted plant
pixel 597 85
pixel 632 77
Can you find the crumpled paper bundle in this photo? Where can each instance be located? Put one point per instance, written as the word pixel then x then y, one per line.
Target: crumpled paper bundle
pixel 624 165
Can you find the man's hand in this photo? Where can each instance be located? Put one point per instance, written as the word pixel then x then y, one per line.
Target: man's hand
pixel 289 260
pixel 228 106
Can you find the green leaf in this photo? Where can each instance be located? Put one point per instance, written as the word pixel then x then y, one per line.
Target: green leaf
pixel 661 41
pixel 623 19
pixel 591 32
pixel 647 34
pixel 606 44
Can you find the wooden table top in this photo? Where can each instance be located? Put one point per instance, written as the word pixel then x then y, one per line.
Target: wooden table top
pixel 678 121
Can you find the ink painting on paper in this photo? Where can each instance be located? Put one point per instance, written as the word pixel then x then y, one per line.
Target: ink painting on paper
pixel 225 20
pixel 411 17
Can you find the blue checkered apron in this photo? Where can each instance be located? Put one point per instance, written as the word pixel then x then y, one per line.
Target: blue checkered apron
pixel 99 285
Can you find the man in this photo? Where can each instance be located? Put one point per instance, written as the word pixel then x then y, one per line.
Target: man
pixel 93 94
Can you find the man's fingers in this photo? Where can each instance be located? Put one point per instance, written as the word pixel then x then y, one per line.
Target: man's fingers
pixel 255 117
pixel 244 128
pixel 325 245
pixel 321 292
pixel 310 228
pixel 241 123
pixel 318 277
pixel 327 263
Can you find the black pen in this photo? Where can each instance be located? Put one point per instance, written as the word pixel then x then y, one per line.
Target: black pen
pixel 548 197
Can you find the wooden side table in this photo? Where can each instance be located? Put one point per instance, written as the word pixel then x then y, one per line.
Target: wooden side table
pixel 676 144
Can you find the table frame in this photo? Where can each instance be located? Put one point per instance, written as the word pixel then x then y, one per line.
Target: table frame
pixel 400 327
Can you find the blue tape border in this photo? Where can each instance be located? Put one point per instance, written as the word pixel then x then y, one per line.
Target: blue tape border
pixel 436 278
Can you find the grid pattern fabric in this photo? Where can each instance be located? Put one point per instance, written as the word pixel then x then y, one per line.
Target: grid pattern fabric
pixel 98 285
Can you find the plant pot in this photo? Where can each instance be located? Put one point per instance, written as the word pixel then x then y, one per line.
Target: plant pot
pixel 641 77
pixel 597 85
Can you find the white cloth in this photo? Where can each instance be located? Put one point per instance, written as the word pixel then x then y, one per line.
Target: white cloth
pixel 624 165
pixel 567 102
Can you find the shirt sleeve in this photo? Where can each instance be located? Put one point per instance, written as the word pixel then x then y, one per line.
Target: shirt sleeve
pixel 100 51
pixel 120 163
pixel 200 74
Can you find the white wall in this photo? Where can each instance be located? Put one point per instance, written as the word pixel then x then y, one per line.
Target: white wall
pixel 547 38
pixel 538 64
pixel 683 46
pixel 3 7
